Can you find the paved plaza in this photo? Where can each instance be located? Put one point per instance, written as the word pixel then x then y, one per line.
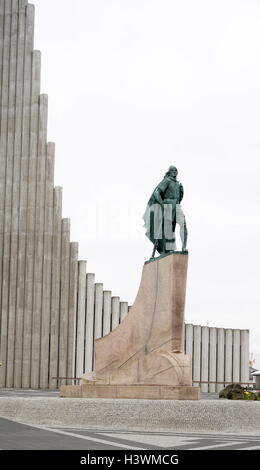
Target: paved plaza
pixel 16 436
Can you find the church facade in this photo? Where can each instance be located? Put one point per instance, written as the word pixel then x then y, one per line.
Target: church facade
pixel 51 308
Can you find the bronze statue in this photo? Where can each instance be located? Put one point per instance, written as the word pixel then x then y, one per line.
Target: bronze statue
pixel 163 212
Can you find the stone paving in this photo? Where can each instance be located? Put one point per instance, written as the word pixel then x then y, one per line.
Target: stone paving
pixel 16 436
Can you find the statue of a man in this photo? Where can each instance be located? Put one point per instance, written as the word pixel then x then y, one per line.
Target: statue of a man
pixel 163 212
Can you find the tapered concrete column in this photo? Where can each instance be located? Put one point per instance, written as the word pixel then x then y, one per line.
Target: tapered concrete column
pixel 5 75
pixel 98 315
pixel 244 355
pixel 55 286
pixel 1 42
pixel 204 358
pixel 39 241
pixel 115 308
pixel 8 305
pixel 3 324
pixel 14 341
pixel 64 298
pixel 31 211
pixel 106 312
pixel 189 339
pixel 220 358
pixel 236 356
pixel 196 360
pixel 30 14
pixel 212 358
pixel 228 355
pixel 14 6
pixel 89 322
pixel 123 310
pixel 4 58
pixel 98 311
pixel 81 318
pixel 8 313
pixel 73 285
pixel 47 265
pixel 25 142
pixel 22 4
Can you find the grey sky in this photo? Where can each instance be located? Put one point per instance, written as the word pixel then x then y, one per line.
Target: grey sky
pixel 135 86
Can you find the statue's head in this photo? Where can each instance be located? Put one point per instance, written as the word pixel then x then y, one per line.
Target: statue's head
pixel 172 172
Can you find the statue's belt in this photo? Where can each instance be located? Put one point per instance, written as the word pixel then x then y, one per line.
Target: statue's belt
pixel 170 201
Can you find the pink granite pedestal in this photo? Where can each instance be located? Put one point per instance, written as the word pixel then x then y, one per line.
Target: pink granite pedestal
pixel 144 356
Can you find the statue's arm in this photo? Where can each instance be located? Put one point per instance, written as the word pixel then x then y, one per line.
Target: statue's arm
pixel 160 190
pixel 157 196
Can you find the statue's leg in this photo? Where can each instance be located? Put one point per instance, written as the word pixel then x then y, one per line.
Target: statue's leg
pixel 181 221
pixel 155 248
pixel 152 233
pixel 163 240
pixel 170 245
pixel 161 246
pixel 185 236
pixel 155 232
pixel 174 231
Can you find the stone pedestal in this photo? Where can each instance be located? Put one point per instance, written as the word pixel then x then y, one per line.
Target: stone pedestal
pixel 146 392
pixel 144 356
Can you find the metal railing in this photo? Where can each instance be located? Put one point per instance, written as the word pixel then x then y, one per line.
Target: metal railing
pixel 249 383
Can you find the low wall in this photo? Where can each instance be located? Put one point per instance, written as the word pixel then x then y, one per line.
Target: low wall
pixel 223 416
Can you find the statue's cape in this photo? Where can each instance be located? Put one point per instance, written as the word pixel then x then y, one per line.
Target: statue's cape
pixel 154 231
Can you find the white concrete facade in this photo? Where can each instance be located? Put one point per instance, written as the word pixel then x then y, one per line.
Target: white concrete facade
pixel 50 309
pixel 219 355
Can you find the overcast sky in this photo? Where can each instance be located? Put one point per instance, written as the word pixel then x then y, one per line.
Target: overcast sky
pixel 135 86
